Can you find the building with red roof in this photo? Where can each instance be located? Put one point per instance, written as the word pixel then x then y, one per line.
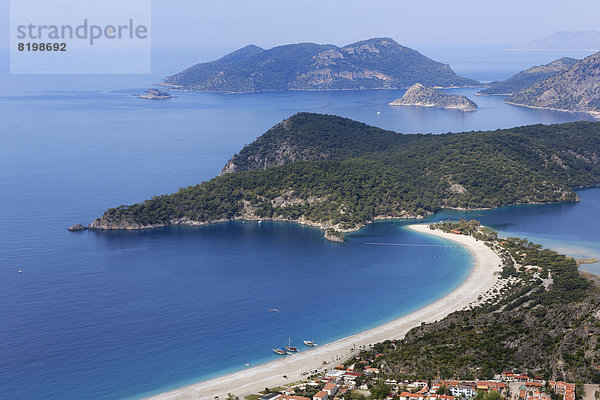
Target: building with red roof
pixel 322 395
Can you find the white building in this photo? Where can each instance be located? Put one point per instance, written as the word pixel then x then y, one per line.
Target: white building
pixel 463 391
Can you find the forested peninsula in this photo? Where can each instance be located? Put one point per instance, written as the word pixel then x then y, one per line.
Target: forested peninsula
pixel 339 174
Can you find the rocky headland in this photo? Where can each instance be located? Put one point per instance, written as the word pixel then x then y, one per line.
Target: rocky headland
pixel 422 96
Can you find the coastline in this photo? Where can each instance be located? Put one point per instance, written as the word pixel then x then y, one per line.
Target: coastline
pixel 323 226
pixel 595 114
pixel 480 280
pixel 177 88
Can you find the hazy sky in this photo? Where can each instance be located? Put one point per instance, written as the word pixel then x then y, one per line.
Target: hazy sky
pixel 233 23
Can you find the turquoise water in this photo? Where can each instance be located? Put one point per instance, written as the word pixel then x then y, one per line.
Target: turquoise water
pixel 121 314
pixel 571 228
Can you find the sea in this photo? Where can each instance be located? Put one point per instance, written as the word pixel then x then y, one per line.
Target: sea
pixel 123 315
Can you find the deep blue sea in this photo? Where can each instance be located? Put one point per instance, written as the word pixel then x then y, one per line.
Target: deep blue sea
pixel 120 315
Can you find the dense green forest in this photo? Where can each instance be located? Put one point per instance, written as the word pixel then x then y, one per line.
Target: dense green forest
pixel 340 174
pixel 545 330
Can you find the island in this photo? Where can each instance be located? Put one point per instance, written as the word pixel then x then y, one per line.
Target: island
pixel 528 77
pixel 575 90
pixel 154 94
pixel 421 96
pixel 379 63
pixel 338 174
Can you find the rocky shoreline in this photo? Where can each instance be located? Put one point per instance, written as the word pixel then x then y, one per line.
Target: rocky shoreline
pixel 595 114
pixel 332 232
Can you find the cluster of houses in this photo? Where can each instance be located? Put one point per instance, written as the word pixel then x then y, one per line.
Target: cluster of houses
pixel 534 387
pixel 339 381
pixel 336 383
pixel 457 389
pixel 566 389
pixel 330 391
pixel 535 390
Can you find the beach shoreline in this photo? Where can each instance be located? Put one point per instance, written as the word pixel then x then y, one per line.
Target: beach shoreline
pixel 482 278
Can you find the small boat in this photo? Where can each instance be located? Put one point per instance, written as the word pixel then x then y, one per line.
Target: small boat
pixel 290 348
pixel 281 352
pixel 310 343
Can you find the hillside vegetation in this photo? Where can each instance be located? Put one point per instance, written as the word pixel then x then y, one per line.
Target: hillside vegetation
pixel 576 89
pixel 528 77
pixel 544 321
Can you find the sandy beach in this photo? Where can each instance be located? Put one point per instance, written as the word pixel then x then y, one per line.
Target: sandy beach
pixel 252 380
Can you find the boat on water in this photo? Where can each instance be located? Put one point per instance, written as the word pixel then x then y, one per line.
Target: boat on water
pixel 291 348
pixel 281 352
pixel 310 343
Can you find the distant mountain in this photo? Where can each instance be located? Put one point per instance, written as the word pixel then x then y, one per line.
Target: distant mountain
pixel 566 40
pixel 576 89
pixel 528 77
pixel 370 64
pixel 419 95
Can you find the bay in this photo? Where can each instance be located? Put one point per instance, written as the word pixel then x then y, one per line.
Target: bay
pixel 123 314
